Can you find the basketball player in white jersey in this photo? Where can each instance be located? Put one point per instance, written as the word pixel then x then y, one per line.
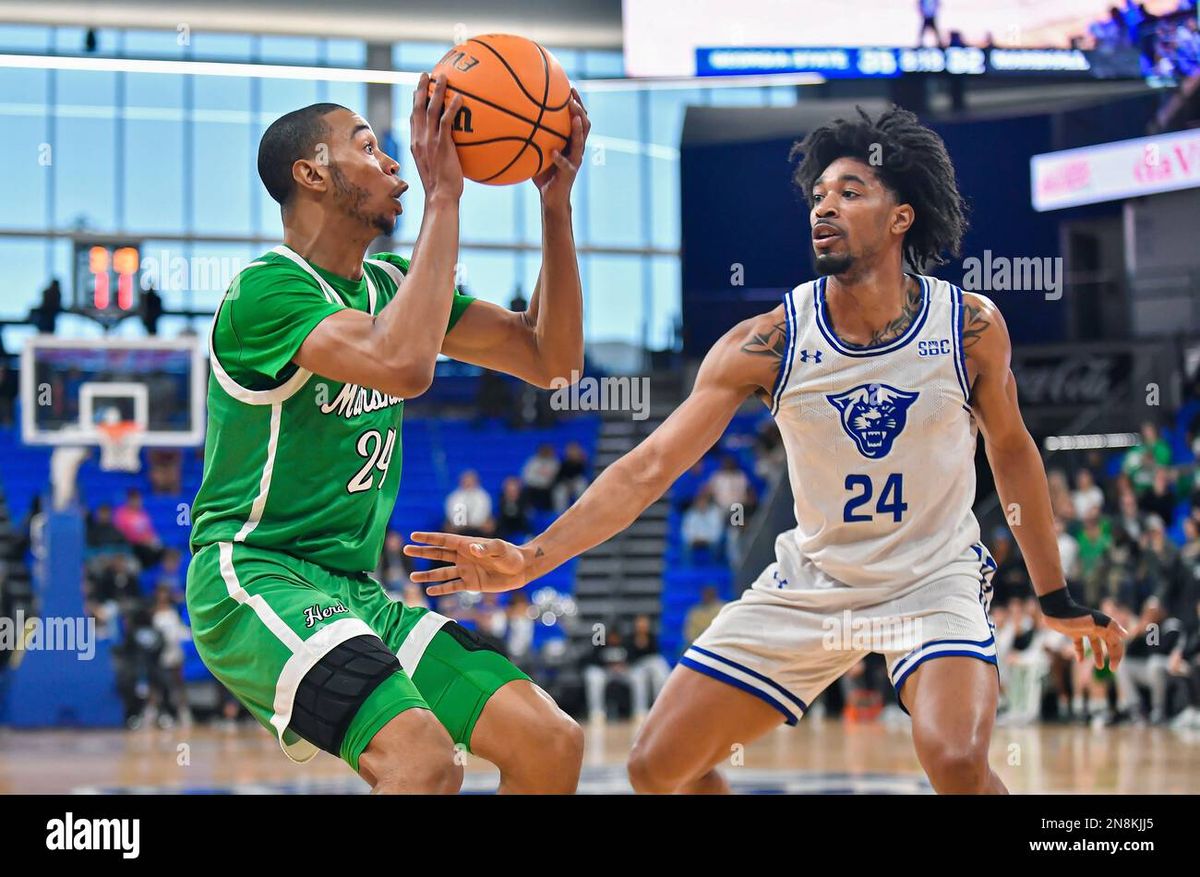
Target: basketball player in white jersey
pixel 878 379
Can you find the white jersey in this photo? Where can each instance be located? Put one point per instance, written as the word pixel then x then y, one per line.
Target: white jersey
pixel 880 447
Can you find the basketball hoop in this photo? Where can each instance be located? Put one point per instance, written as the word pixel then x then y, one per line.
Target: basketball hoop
pixel 119 446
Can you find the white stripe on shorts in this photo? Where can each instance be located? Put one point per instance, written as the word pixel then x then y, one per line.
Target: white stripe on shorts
pixel 418 640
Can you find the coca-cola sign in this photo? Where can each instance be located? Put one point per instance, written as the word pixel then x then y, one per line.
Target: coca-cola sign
pixel 1072 379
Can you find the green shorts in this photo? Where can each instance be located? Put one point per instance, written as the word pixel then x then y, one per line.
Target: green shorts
pixel 261 620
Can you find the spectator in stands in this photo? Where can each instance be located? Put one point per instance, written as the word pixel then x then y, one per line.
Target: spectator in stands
pixel 491 621
pixel 687 485
pixel 170 572
pixel 703 529
pixel 770 457
pixel 1068 551
pixel 394 565
pixel 1130 522
pixel 648 669
pixel 46 316
pixel 1159 569
pixel 1160 498
pixel 138 660
pixel 151 307
pixel 1189 553
pixel 1011 580
pixel 1060 495
pixel 113 591
pixel 1088 496
pixel 512 519
pixel 572 478
pixel 1143 458
pixel 101 532
pixel 608 661
pixel 538 475
pixel 928 10
pixel 135 525
pixel 166 620
pixel 8 393
pixel 1184 660
pixel 1145 665
pixel 469 508
pixel 1110 33
pixel 166 471
pixel 1187 47
pixel 1089 701
pixel 1025 660
pixel 1095 539
pixel 731 488
pixel 701 615
pixel 518 639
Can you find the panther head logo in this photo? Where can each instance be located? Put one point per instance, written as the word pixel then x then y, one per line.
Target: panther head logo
pixel 873 415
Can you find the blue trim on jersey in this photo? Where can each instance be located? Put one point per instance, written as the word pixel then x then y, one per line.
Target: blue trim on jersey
pixel 691 664
pixel 960 358
pixel 797 701
pixel 785 366
pixel 899 684
pixel 826 327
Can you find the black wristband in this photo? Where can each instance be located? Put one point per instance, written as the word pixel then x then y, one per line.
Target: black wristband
pixel 1059 604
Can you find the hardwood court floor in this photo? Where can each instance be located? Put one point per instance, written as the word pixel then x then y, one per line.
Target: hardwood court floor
pixel 819 756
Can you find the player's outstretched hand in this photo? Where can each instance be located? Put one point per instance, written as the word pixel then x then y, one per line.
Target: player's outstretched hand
pixel 1096 628
pixel 476 564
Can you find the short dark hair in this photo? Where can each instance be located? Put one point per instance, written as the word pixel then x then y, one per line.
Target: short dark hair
pixel 288 139
pixel 909 159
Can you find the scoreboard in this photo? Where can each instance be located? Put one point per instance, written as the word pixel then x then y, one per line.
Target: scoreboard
pixel 107 275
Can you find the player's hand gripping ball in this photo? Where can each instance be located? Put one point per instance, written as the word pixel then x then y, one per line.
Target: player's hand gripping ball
pixel 515 110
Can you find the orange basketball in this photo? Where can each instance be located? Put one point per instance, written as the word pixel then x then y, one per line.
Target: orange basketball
pixel 514 111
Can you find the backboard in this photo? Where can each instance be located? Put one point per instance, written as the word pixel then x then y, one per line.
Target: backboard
pixel 71 385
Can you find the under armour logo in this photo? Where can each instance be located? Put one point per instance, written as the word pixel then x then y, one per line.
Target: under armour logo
pixel 814 356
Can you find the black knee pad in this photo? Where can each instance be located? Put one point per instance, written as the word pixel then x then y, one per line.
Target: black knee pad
pixel 469 639
pixel 332 691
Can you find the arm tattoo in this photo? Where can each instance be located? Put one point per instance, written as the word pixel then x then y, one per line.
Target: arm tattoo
pixel 974 324
pixel 772 343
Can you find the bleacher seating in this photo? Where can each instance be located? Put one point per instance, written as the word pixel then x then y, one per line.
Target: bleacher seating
pixel 436 452
pixel 684 581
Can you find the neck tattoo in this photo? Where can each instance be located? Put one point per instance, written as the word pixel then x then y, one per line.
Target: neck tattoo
pixel 897 327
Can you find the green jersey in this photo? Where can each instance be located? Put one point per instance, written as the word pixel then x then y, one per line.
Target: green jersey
pixel 293 461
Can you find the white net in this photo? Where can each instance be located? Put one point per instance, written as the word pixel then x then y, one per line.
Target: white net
pixel 120 446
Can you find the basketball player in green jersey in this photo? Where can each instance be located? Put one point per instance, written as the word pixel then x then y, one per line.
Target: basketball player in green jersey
pixel 313 352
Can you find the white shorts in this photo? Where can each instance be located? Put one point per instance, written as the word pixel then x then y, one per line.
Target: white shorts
pixel 788 637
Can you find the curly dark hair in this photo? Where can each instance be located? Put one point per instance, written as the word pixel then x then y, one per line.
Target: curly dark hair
pixel 909 159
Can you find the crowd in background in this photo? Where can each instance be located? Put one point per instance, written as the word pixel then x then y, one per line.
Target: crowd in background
pixel 134 586
pixel 1169 45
